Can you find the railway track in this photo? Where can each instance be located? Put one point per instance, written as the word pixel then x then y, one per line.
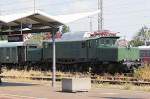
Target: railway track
pixel 99 80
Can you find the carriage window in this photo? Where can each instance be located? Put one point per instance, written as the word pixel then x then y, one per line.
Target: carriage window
pixel 13 52
pixel 147 53
pixel 7 53
pixel 141 53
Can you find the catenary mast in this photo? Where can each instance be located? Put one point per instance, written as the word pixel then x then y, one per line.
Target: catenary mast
pixel 100 15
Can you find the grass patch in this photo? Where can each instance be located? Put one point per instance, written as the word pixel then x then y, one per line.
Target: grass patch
pixel 125 86
pixel 43 74
pixel 143 73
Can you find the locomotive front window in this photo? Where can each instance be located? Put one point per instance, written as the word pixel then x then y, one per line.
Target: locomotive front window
pixel 114 41
pixel 107 42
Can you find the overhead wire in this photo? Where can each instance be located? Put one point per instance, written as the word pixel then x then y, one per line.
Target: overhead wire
pixel 44 6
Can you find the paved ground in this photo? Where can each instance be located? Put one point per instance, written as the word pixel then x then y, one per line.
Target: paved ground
pixel 13 90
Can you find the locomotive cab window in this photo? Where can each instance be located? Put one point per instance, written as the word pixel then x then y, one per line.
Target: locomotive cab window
pixel 102 41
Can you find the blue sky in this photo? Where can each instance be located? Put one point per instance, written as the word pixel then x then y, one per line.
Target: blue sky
pixel 124 16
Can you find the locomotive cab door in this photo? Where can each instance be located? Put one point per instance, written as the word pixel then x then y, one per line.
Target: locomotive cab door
pixel 22 54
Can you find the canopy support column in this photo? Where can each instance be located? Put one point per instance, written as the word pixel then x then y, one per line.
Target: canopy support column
pixel 54 57
pixel 0 72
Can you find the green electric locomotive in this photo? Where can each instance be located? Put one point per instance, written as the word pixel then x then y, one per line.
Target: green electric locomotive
pixel 75 51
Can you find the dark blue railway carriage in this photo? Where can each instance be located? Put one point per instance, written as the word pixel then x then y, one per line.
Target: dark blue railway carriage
pixel 18 53
pixel 12 52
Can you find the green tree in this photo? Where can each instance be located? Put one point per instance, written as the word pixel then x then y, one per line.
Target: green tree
pixel 136 42
pixel 65 29
pixel 141 36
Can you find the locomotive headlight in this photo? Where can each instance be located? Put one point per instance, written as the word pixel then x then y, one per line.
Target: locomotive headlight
pixel 124 60
pixel 138 60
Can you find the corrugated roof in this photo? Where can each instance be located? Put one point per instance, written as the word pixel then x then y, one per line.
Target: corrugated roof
pixel 24 16
pixel 60 19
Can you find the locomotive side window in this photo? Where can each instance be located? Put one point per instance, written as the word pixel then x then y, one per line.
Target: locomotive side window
pixel 46 45
pixel 83 45
pixel 89 44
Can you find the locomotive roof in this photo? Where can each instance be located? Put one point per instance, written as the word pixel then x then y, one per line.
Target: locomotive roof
pixel 76 36
pixel 72 36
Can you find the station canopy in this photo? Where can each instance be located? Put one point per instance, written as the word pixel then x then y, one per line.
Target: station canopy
pixel 36 21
